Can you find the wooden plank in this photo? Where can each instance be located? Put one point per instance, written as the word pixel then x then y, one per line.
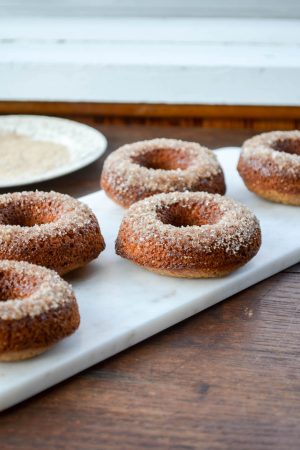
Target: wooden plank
pixel 294 269
pixel 133 110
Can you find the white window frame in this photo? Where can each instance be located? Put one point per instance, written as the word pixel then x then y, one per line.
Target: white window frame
pixel 151 58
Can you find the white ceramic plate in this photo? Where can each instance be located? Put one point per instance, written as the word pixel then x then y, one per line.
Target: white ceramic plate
pixel 85 144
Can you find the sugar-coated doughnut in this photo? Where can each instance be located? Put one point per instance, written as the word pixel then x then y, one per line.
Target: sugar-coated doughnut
pixel 37 309
pixel 270 166
pixel 189 234
pixel 139 170
pixel 48 229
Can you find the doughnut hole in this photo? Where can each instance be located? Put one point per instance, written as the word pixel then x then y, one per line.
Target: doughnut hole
pixel 163 159
pixel 287 145
pixel 28 214
pixel 15 285
pixel 188 215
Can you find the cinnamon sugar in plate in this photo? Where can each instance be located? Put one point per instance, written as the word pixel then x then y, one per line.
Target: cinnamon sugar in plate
pixel 39 148
pixel 21 155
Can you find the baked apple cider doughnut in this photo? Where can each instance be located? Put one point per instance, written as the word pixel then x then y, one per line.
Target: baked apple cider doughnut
pixel 139 170
pixel 189 234
pixel 48 229
pixel 37 309
pixel 270 166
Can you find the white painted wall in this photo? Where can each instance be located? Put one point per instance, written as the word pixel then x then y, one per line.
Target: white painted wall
pixel 174 60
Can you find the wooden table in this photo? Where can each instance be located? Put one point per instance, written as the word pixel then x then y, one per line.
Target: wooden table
pixel 227 378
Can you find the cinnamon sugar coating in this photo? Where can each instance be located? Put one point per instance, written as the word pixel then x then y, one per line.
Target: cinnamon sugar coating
pixel 270 166
pixel 48 229
pixel 141 169
pixel 189 234
pixel 37 309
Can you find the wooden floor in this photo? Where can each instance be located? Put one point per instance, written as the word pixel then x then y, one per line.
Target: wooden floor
pixel 228 378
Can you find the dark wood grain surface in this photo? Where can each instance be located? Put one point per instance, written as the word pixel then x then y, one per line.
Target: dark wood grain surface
pixel 228 378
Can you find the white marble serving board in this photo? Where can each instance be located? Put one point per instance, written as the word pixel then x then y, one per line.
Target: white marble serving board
pixel 122 304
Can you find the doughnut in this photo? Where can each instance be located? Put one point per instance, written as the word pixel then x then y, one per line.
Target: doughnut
pixel 269 164
pixel 189 234
pixel 48 229
pixel 139 170
pixel 37 309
